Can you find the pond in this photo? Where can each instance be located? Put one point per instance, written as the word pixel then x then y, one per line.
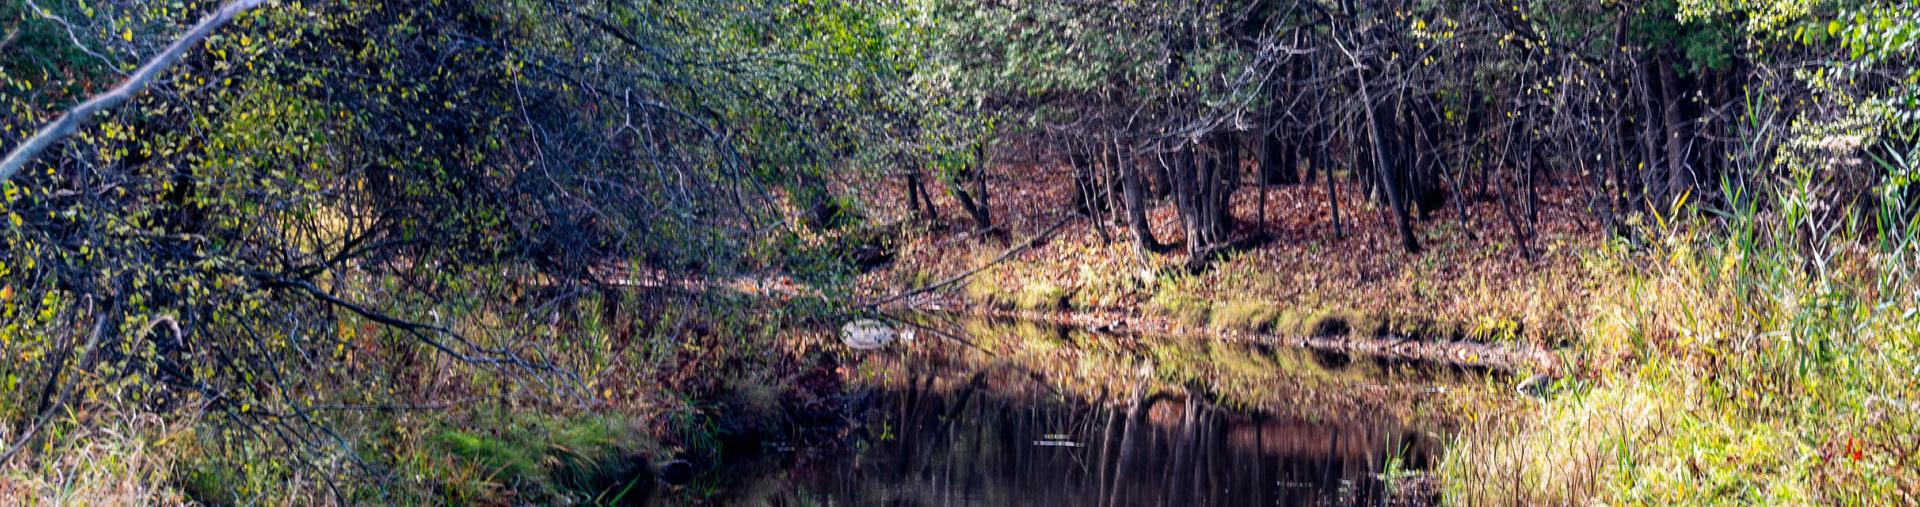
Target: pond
pixel 971 411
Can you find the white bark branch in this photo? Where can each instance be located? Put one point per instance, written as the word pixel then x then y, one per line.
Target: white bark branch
pixel 133 85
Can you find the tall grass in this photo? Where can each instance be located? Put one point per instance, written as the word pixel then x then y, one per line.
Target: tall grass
pixel 117 460
pixel 1759 353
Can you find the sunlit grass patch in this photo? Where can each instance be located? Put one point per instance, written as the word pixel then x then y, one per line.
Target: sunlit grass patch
pixel 1244 315
pixel 1041 296
pixel 1183 307
pixel 1011 292
pixel 1755 362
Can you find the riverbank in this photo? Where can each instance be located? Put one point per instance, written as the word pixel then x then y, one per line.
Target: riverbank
pixel 1702 362
pixel 1511 357
pixel 1291 276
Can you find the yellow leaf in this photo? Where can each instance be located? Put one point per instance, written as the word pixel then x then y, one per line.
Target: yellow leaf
pixel 127 34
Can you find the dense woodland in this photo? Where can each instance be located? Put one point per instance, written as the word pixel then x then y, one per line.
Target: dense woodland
pixel 255 216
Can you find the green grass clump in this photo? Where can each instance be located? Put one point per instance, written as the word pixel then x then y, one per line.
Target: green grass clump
pixel 1244 315
pixel 1495 330
pixel 1329 323
pixel 587 459
pixel 1371 324
pixel 1041 296
pixel 1182 307
pixel 1016 290
pixel 1291 322
pixel 1179 298
pixel 1412 326
pixel 984 289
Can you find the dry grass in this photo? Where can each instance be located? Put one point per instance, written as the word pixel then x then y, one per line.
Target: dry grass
pixel 113 460
pixel 1727 372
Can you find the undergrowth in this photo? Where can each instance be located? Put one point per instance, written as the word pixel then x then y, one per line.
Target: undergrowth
pixel 1744 357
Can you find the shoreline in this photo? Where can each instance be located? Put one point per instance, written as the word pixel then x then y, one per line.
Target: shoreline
pixel 1510 358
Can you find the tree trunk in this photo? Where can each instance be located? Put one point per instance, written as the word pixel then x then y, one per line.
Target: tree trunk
pixel 1136 204
pixel 980 165
pixel 1322 159
pixel 1652 181
pixel 981 221
pixel 1163 185
pixel 1679 175
pixel 1226 180
pixel 1087 198
pixel 1389 177
pixel 1278 164
pixel 914 199
pixel 1085 184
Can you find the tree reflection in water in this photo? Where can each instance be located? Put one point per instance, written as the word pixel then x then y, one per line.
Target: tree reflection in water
pixel 1029 415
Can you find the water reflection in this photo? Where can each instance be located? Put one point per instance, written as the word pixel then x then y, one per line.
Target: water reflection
pixel 1018 414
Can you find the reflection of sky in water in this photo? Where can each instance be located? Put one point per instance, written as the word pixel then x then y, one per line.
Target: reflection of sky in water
pixel 983 413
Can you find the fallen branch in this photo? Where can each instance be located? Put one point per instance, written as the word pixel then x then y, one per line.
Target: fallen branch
pixel 133 85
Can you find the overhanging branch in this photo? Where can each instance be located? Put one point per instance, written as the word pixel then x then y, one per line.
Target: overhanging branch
pixel 133 85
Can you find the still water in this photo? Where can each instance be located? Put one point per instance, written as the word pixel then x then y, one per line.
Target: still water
pixel 976 412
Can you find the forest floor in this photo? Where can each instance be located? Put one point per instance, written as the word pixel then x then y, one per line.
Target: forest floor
pixel 1289 276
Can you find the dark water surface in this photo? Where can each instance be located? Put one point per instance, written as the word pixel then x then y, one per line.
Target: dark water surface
pixel 973 412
